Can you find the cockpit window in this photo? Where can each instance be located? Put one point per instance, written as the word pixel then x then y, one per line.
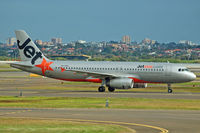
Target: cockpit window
pixel 182 69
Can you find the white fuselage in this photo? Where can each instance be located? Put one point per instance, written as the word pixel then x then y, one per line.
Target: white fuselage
pixel 140 72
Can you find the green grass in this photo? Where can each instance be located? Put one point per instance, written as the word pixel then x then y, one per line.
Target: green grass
pixel 93 87
pixel 118 103
pixel 185 89
pixel 10 70
pixel 189 83
pixel 18 125
pixel 60 87
pixel 5 66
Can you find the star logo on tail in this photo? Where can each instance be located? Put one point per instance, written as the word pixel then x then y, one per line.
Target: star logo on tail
pixel 45 66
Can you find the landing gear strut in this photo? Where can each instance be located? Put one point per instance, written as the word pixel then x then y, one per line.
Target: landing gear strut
pixel 102 88
pixel 169 88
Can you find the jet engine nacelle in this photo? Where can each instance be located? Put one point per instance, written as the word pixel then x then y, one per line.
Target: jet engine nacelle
pixel 120 83
pixel 140 85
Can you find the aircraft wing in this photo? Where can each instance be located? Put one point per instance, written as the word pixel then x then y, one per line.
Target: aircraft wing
pixel 102 75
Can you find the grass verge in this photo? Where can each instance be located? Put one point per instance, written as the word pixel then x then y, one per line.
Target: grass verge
pixel 10 70
pixel 119 103
pixel 94 87
pixel 18 125
pixel 5 66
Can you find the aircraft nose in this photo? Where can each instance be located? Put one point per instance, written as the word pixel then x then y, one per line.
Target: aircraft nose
pixel 191 76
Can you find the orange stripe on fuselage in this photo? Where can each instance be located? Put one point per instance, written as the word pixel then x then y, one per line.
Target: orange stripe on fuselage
pixel 84 80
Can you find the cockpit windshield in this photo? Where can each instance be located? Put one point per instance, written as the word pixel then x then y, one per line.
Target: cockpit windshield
pixel 182 69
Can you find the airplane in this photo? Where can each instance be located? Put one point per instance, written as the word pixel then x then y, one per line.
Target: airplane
pixel 114 75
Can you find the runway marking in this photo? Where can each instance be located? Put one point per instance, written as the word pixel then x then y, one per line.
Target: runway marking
pixel 125 123
pixel 97 121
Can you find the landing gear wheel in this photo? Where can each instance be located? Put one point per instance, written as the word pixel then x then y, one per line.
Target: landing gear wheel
pixel 101 89
pixel 169 88
pixel 111 89
pixel 170 91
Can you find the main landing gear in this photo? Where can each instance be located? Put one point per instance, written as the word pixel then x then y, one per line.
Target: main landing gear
pixel 102 88
pixel 111 89
pixel 169 88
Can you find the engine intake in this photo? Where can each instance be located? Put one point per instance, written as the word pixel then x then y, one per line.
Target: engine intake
pixel 120 83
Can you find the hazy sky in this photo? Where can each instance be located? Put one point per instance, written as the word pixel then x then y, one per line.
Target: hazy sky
pixel 102 20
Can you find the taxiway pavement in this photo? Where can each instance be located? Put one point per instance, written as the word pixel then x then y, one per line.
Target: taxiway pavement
pixel 142 121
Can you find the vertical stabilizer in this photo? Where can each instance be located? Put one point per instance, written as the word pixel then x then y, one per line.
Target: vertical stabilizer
pixel 27 49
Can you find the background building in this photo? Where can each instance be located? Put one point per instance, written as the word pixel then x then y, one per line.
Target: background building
pixel 186 42
pixel 56 40
pixel 146 41
pixel 126 39
pixel 11 41
pixel 38 42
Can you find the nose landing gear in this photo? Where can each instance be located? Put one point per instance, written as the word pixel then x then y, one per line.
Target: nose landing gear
pixel 169 88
